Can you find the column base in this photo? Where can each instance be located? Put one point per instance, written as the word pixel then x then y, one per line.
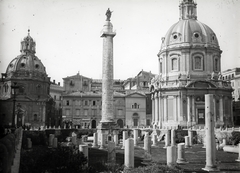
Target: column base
pixel 210 168
pixel 108 125
pixel 181 161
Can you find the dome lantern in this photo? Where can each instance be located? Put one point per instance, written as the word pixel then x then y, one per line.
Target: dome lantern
pixel 187 10
pixel 28 45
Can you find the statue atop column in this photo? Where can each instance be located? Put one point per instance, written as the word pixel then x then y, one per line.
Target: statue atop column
pixel 108 14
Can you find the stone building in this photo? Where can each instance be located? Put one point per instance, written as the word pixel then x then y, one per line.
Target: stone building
pixel 24 88
pixel 139 82
pixel 55 118
pixel 137 92
pixel 233 76
pixel 82 101
pixel 189 67
pixel 136 109
pixel 83 109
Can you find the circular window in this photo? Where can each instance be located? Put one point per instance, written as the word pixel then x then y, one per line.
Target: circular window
pixel 196 35
pixel 175 36
pixel 22 65
pixel 11 65
pixel 37 66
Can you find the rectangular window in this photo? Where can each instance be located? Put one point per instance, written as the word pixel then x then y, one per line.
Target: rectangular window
pixel 94 112
pixel 85 112
pixel 67 103
pixel 198 63
pixel 120 112
pixel 85 102
pixel 160 67
pixel 94 103
pixel 67 112
pixel 135 122
pixel 77 112
pixel 148 123
pixel 174 64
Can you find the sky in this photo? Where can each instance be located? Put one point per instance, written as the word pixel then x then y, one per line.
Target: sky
pixel 67 33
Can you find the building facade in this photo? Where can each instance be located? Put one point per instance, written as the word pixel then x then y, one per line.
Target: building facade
pixel 189 67
pixel 82 101
pixel 55 118
pixel 81 105
pixel 233 76
pixel 25 88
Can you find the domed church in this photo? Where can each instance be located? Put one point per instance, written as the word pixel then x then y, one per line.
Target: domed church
pixel 24 88
pixel 189 67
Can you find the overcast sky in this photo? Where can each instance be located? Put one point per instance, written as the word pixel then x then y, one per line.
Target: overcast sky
pixel 67 33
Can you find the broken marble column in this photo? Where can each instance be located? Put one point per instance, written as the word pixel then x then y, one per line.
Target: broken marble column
pixel 124 137
pixel 210 136
pixel 129 153
pixel 154 138
pixel 190 134
pixel 181 153
pixel 171 156
pixel 187 142
pixel 135 135
pixel 115 139
pixel 167 139
pixel 147 146
pixel 173 137
pixel 102 141
pixel 111 152
pixel 238 159
pixel 51 137
pixel 84 150
pixel 95 140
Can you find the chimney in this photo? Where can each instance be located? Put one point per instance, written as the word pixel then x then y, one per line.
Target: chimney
pixel 59 83
pixel 53 81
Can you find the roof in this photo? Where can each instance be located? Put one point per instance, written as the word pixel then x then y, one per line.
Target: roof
pixel 92 94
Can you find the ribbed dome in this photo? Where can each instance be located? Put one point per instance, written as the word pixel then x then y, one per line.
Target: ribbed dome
pixel 26 64
pixel 190 32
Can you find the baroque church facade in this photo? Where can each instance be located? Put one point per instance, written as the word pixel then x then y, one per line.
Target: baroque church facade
pixel 189 67
pixel 24 88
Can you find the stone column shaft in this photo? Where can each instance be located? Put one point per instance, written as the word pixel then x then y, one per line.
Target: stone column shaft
pixel 165 110
pixel 189 109
pixel 129 153
pixel 193 110
pixel 107 73
pixel 221 108
pixel 160 111
pixel 210 136
pixel 135 135
pixel 156 109
pixel 153 110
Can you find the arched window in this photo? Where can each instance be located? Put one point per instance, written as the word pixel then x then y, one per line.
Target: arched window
pixel 197 63
pixel 174 64
pixel 216 65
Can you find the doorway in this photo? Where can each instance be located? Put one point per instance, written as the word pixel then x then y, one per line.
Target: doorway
pixel 201 116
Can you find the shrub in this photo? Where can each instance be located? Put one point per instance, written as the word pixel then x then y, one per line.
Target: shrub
pixel 154 168
pixel 235 138
pixel 60 160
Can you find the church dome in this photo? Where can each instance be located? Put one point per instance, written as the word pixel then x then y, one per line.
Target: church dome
pixel 188 31
pixel 27 63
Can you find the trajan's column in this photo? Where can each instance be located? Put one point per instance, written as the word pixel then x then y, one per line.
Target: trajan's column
pixel 107 34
